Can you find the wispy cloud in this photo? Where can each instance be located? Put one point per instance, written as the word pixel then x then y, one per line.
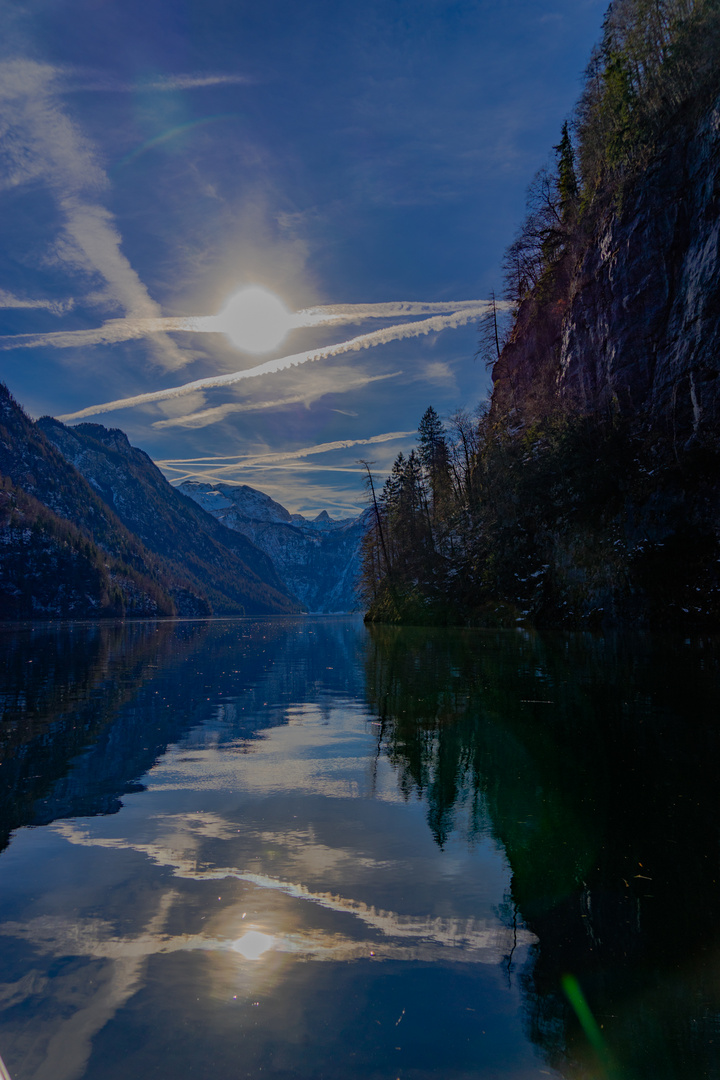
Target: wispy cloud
pixel 438 371
pixel 55 307
pixel 199 80
pixel 116 330
pixel 305 491
pixel 340 382
pixel 41 143
pixel 199 468
pixel 398 332
pixel 111 332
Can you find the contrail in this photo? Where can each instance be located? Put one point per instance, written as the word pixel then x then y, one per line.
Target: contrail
pixel 110 333
pixel 277 455
pixel 210 477
pixel 236 462
pixel 362 341
pixel 334 314
pixel 114 331
pixel 210 416
pixel 57 307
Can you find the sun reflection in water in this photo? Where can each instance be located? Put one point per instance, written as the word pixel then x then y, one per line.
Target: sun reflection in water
pixel 253 944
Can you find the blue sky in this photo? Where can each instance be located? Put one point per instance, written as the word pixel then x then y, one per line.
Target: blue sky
pixel 157 158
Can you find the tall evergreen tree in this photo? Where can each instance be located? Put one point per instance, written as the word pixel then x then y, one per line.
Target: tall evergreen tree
pixel 433 455
pixel 566 179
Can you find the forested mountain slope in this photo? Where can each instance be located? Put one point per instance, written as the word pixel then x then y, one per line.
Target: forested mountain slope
pixel 232 572
pixel 65 552
pixel 588 491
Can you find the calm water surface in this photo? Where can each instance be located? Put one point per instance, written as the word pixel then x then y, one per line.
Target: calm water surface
pixel 301 848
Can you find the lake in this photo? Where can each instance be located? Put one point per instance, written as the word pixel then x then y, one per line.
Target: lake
pixel 295 848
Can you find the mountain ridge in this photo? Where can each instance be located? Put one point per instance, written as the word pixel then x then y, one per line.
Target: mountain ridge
pixel 234 574
pixel 318 559
pixel 65 551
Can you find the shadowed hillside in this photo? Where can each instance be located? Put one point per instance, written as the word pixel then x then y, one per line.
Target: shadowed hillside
pixel 64 553
pixel 232 572
pixel 586 493
pixel 119 542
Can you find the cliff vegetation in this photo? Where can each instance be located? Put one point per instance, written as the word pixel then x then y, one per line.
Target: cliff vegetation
pixel 585 492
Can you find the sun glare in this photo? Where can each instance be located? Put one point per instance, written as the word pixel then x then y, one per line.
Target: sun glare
pixel 253 944
pixel 255 320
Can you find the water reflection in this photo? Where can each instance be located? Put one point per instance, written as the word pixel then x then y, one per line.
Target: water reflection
pixel 88 709
pixel 594 761
pixel 62 687
pixel 316 850
pixel 253 944
pixel 265 895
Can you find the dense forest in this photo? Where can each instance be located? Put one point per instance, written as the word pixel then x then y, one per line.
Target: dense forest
pixel 585 490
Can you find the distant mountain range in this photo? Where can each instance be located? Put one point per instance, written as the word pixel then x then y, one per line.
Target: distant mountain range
pixel 317 559
pixel 89 527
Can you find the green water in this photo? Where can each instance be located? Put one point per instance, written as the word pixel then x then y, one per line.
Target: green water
pixel 301 848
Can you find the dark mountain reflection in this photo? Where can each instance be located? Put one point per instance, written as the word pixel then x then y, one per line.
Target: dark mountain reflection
pixel 62 688
pixel 87 709
pixel 594 763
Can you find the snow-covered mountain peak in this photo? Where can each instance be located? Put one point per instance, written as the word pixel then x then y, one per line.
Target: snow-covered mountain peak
pixel 318 558
pixel 235 499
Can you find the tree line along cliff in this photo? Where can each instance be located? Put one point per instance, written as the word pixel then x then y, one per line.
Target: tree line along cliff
pixel 585 492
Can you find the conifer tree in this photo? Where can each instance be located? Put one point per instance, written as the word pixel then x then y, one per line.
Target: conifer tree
pixel 433 455
pixel 567 184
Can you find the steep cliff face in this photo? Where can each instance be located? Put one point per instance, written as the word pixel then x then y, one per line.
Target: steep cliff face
pixel 625 334
pixel 631 318
pixel 643 322
pixel 318 560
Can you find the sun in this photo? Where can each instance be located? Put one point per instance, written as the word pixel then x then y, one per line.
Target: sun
pixel 255 320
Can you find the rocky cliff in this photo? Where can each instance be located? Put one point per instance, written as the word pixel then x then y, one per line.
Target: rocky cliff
pixel 643 323
pixel 590 492
pixel 318 560
pixel 624 334
pixel 632 321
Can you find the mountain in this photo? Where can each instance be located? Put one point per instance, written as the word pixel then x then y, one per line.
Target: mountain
pixel 588 494
pixel 234 575
pixel 318 560
pixel 63 552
